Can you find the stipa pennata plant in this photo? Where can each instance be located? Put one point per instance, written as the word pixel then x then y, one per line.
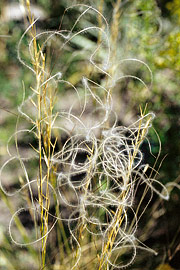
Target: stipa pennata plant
pixel 88 168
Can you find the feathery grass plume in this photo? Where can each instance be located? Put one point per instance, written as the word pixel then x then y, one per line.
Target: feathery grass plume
pixel 88 168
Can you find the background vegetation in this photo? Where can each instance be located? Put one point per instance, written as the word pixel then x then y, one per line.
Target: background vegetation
pixel 145 30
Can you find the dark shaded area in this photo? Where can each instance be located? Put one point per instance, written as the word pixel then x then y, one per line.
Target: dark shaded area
pixel 163 8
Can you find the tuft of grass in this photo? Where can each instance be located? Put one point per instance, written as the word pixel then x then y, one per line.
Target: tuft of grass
pixel 89 169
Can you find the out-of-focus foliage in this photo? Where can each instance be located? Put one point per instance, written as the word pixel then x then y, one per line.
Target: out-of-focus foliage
pixel 164 267
pixel 141 32
pixel 174 7
pixel 169 53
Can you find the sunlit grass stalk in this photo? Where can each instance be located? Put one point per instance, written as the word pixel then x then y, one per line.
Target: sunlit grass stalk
pixel 114 36
pixel 100 21
pixel 119 215
pixel 43 133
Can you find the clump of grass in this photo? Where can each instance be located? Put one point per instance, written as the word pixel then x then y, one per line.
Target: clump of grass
pixel 91 167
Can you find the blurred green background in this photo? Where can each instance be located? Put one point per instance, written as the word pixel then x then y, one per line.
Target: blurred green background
pixel 147 30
